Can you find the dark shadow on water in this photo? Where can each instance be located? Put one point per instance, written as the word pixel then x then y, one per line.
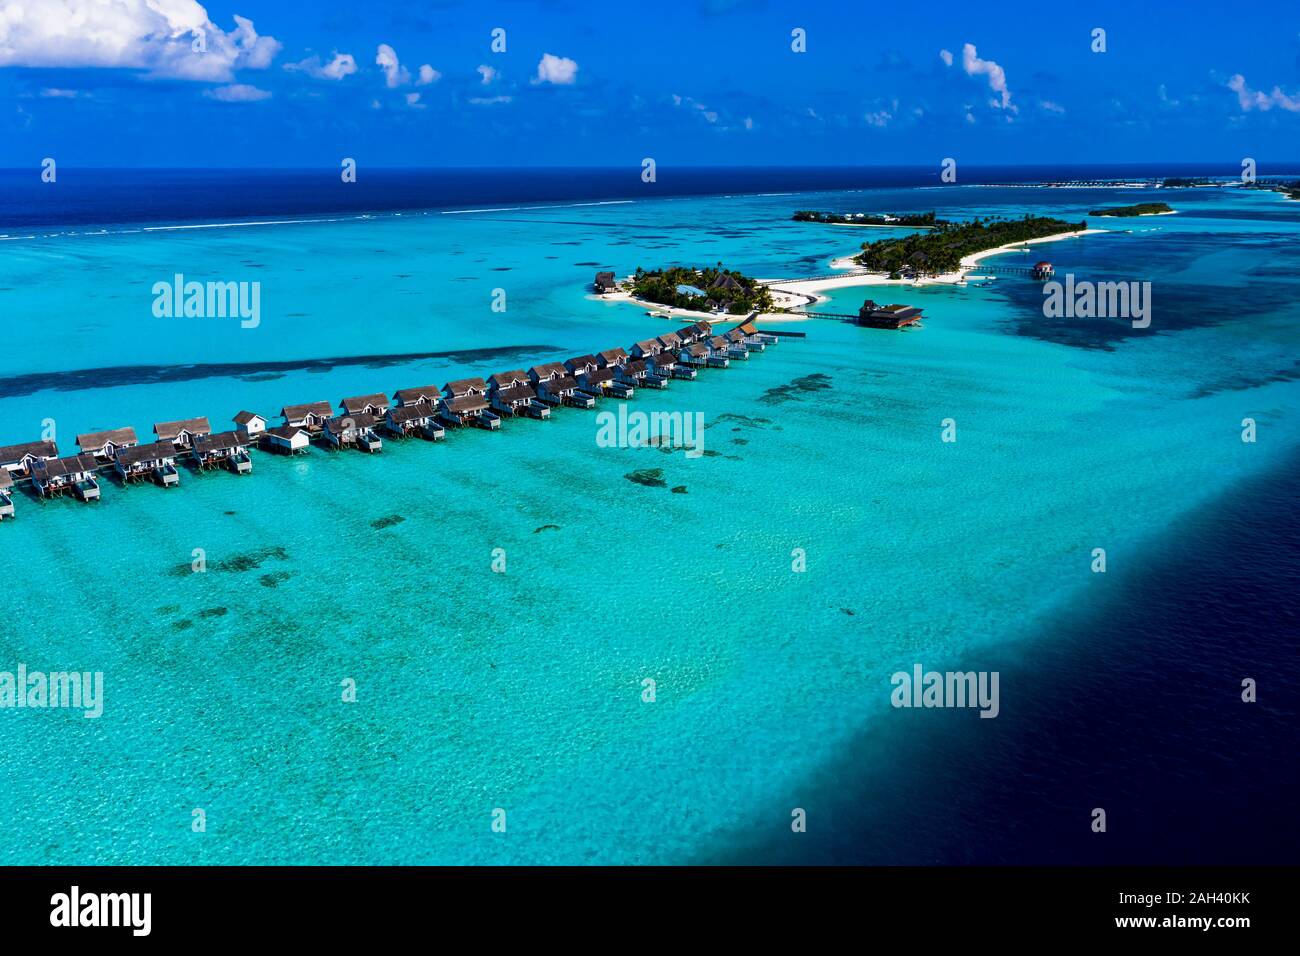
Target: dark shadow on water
pixel 1133 705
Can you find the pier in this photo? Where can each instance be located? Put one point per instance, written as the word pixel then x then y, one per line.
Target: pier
pixel 420 412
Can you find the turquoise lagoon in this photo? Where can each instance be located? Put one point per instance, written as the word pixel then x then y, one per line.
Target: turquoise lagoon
pixel 523 690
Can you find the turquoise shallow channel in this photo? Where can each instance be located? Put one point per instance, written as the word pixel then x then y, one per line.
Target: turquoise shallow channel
pixel 522 690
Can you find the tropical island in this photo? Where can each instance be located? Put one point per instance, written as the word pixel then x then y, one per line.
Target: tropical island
pixel 942 250
pixel 1138 209
pixel 1289 189
pixel 711 289
pixel 1187 182
pixel 919 220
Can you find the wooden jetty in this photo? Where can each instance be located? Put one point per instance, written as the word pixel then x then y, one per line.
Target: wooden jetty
pixel 6 495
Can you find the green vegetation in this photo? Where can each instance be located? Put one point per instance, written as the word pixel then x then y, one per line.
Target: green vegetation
pixel 1182 182
pixel 925 220
pixel 1140 209
pixel 1290 189
pixel 941 251
pixel 702 290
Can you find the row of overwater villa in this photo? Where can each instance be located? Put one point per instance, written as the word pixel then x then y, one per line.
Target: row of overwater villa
pixel 358 422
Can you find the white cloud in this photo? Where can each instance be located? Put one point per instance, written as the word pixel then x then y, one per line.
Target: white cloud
pixel 974 66
pixel 749 122
pixel 946 56
pixel 237 93
pixel 879 118
pixel 155 35
pixel 489 100
pixel 1259 100
pixel 340 66
pixel 559 70
pixel 54 93
pixel 428 75
pixel 413 99
pixel 488 73
pixel 395 74
pixel 1051 107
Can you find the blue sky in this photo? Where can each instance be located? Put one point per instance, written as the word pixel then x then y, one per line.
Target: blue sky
pixel 296 83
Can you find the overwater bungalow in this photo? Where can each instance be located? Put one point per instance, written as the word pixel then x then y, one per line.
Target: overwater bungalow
pixel 250 422
pixel 687 334
pixel 670 341
pixel 754 335
pixel 156 460
pixel 555 386
pixel 719 345
pixel 6 494
pixel 703 329
pixel 104 445
pixel 634 373
pixel 353 431
pixel 695 355
pixel 376 405
pixel 875 316
pixel 182 433
pixel 287 439
pixel 646 348
pixel 418 419
pixel 465 402
pixel 665 366
pixel 424 395
pixel 610 358
pixel 18 459
pixel 512 394
pixel 75 473
pixel 601 382
pixel 312 416
pixel 224 448
pixel 581 363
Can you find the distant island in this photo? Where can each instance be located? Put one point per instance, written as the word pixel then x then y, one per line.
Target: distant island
pixel 711 289
pixel 1138 209
pixel 919 220
pixel 941 251
pixel 1290 189
pixel 1187 182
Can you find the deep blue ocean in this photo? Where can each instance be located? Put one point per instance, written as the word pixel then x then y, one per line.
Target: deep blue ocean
pixel 110 196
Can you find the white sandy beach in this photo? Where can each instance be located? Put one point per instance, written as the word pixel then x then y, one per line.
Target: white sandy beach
pixel 801 294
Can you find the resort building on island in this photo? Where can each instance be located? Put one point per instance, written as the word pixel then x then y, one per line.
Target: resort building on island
pixel 605 283
pixel 75 473
pixel 250 422
pixel 876 316
pixel 289 439
pixel 312 416
pixel 156 460
pixel 18 459
pixel 104 445
pixel 224 448
pixel 182 433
